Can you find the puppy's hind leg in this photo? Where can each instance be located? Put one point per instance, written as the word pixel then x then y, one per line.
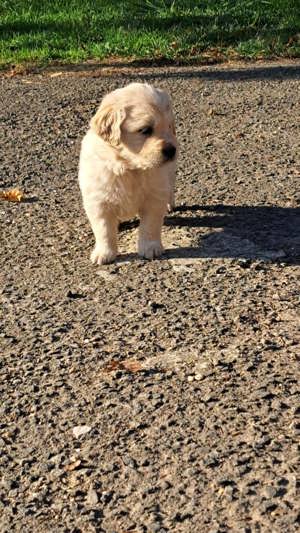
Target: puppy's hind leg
pixel 149 242
pixel 105 227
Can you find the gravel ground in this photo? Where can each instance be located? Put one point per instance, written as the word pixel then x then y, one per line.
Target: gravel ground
pixel 153 396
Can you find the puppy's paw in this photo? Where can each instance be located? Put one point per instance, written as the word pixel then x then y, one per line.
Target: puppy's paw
pixel 150 249
pixel 171 207
pixel 103 256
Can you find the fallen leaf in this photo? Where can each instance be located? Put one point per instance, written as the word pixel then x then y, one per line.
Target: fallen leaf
pixel 55 74
pixel 130 365
pixel 14 195
pixel 17 70
pixel 112 366
pixel 72 466
pixel 80 430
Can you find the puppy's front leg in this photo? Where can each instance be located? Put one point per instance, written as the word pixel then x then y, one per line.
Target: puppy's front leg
pixel 149 243
pixel 105 227
pixel 172 178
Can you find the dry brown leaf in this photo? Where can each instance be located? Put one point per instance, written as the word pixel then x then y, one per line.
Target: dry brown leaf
pixel 112 366
pixel 14 195
pixel 72 466
pixel 16 70
pixel 55 74
pixel 130 365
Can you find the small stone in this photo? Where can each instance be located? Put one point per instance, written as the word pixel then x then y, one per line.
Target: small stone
pixel 268 506
pixel 106 497
pixel 228 493
pixel 244 469
pixel 73 465
pixel 261 443
pixel 80 430
pixel 211 460
pixel 155 527
pixel 129 461
pixel 165 485
pixel 92 497
pixel 269 492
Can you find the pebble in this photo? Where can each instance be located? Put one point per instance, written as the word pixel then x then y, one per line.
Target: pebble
pixel 92 497
pixel 155 527
pixel 211 460
pixel 80 430
pixel 268 506
pixel 269 492
pixel 165 485
pixel 129 461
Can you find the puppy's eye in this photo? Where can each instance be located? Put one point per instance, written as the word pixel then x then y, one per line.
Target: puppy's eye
pixel 146 131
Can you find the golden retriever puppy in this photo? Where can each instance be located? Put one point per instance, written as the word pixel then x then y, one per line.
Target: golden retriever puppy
pixel 127 168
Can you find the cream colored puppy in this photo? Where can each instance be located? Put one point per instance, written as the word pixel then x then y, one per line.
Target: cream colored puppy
pixel 127 168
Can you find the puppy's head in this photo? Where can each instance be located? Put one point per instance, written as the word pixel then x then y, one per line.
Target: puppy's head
pixel 138 122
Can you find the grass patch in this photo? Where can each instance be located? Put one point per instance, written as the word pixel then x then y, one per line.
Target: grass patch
pixel 75 30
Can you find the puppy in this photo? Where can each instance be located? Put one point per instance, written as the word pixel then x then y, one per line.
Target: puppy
pixel 127 168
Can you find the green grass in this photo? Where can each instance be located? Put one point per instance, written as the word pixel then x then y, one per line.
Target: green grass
pixel 75 30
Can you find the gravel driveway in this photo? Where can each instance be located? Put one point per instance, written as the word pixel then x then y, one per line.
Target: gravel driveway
pixel 153 396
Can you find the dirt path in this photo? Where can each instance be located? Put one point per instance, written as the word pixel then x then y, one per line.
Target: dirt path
pixel 183 371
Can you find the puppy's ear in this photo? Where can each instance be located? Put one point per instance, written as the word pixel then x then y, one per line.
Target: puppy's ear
pixel 107 123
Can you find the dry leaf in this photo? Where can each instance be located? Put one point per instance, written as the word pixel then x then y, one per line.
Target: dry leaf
pixel 112 366
pixel 55 74
pixel 17 70
pixel 211 112
pixel 72 466
pixel 130 365
pixel 14 195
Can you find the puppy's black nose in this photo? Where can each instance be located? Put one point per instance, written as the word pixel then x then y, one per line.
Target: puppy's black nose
pixel 169 152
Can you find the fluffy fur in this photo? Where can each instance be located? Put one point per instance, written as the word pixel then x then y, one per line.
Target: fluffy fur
pixel 127 168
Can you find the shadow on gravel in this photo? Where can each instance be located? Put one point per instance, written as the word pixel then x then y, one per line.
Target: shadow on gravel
pixel 258 232
pixel 270 72
pixel 238 74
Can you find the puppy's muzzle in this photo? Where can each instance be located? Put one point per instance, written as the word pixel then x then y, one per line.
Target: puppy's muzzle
pixel 169 152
